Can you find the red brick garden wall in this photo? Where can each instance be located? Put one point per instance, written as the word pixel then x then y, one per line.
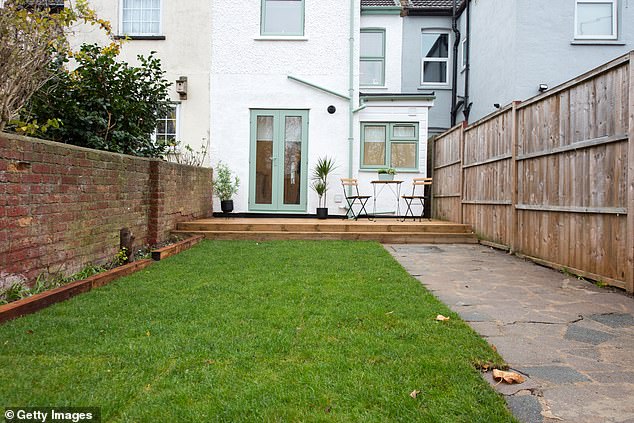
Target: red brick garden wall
pixel 61 206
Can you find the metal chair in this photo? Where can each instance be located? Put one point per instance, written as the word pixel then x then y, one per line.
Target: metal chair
pixel 354 198
pixel 419 183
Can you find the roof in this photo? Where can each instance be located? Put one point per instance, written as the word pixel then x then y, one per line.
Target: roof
pixel 380 3
pixel 433 4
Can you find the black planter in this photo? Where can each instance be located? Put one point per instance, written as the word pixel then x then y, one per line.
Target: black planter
pixel 226 206
pixel 322 212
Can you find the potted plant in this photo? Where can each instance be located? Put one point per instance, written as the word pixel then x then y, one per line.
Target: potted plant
pixel 225 186
pixel 386 174
pixel 322 169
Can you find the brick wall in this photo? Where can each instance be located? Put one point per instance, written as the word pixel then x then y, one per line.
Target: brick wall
pixel 62 206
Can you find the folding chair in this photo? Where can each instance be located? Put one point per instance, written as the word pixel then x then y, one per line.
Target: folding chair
pixel 419 183
pixel 354 198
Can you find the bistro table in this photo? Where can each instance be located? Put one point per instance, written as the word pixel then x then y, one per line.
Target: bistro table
pixel 394 187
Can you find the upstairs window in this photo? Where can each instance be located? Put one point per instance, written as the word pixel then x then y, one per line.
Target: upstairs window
pixel 596 19
pixel 372 66
pixel 141 17
pixel 435 62
pixel 282 17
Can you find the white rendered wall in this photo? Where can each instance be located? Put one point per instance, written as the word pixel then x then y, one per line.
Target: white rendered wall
pixel 251 72
pixel 403 111
pixel 185 51
pixel 393 25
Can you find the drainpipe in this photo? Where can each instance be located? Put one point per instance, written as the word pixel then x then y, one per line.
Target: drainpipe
pixel 467 106
pixel 454 82
pixel 351 92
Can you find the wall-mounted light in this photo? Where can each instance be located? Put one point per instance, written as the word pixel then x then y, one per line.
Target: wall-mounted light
pixel 496 105
pixel 332 109
pixel 542 87
pixel 181 87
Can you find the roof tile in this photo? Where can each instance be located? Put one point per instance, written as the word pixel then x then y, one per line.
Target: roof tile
pixel 380 3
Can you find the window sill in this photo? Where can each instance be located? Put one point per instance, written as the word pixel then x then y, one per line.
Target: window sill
pixel 434 87
pixel 363 170
pixel 373 87
pixel 281 38
pixel 140 37
pixel 597 43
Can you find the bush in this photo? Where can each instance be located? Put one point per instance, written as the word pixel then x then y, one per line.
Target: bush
pixel 101 103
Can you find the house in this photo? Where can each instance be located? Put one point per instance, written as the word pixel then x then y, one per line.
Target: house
pixel 500 51
pixel 295 80
pixel 180 34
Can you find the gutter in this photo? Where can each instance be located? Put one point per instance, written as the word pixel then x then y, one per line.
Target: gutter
pixel 317 87
pixel 454 81
pixel 351 107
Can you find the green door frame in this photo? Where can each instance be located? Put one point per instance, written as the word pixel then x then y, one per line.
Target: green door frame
pixel 277 186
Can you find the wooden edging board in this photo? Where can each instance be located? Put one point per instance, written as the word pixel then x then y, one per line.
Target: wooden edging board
pixel 170 250
pixel 39 301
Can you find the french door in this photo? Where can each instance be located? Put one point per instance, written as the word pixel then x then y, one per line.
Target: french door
pixel 278 178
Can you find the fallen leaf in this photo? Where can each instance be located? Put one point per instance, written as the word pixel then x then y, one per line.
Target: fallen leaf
pixel 147 333
pixel 494 348
pixel 508 377
pixel 30 332
pixel 441 318
pixel 414 393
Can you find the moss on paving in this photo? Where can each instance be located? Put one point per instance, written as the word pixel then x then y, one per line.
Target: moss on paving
pixel 245 331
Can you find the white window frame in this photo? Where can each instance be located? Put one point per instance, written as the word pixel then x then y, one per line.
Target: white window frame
pixel 141 34
pixel 382 31
pixel 264 33
pixel 435 59
pixel 177 124
pixel 615 30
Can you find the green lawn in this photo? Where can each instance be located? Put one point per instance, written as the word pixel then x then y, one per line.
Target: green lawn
pixel 245 331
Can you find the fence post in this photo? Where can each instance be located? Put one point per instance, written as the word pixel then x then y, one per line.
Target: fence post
pixel 462 171
pixel 514 181
pixel 629 277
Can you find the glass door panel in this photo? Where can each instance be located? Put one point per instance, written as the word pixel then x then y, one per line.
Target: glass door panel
pixel 292 159
pixel 264 160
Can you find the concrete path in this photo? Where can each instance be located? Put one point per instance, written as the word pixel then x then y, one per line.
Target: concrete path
pixel 573 340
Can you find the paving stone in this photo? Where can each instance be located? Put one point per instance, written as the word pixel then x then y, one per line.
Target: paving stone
pixel 526 408
pixel 555 374
pixel 614 320
pixel 613 377
pixel 589 336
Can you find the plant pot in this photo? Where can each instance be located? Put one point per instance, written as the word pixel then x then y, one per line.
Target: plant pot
pixel 226 206
pixel 322 212
pixel 386 177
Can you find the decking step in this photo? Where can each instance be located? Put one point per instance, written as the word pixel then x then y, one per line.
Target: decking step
pixel 384 237
pixel 324 227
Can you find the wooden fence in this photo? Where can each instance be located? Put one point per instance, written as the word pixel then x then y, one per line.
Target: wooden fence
pixel 551 178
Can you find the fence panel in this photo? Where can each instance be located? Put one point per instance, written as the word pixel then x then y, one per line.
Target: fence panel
pixel 447 184
pixel 553 177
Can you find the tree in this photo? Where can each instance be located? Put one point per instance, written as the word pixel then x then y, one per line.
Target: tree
pixel 30 39
pixel 103 103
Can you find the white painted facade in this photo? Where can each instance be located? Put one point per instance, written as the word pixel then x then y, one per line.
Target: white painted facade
pixel 184 47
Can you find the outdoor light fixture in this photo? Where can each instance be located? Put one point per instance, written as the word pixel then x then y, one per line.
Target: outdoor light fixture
pixel 181 87
pixel 542 87
pixel 332 109
pixel 496 105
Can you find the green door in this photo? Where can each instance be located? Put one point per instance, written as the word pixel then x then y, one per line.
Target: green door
pixel 278 179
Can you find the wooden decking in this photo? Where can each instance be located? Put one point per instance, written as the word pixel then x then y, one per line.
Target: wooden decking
pixel 382 230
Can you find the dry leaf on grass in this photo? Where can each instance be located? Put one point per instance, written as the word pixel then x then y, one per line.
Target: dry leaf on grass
pixel 414 393
pixel 508 377
pixel 441 318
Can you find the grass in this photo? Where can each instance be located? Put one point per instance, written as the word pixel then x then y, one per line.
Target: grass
pixel 245 331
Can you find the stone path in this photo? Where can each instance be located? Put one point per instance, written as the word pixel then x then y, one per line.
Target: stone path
pixel 573 340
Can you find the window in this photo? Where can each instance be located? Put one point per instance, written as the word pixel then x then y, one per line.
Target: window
pixel 141 17
pixel 55 6
pixel 167 127
pixel 389 145
pixel 596 19
pixel 464 54
pixel 282 17
pixel 372 66
pixel 435 63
